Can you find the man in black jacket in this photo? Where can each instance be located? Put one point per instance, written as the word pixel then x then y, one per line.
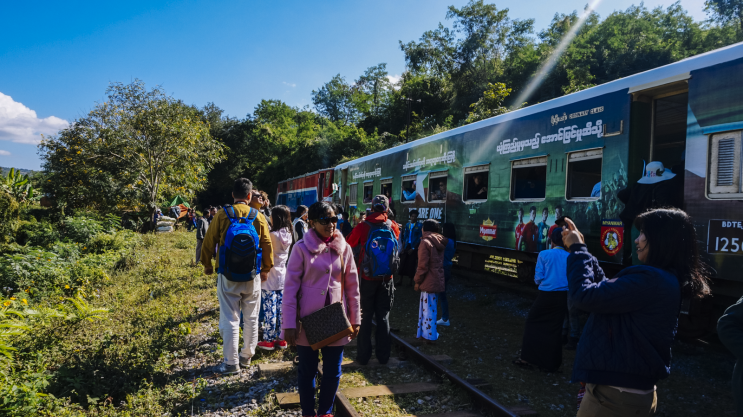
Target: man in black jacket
pixel 202 225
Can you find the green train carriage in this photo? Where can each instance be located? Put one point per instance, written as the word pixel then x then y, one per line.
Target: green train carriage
pixel 504 180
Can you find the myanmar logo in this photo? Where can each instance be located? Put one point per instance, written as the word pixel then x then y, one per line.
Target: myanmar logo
pixel 611 236
pixel 488 230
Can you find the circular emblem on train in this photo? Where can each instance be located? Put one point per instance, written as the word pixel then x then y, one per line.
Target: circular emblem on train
pixel 611 236
pixel 488 230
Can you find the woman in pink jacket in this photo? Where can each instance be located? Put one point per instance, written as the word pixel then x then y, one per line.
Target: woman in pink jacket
pixel 313 279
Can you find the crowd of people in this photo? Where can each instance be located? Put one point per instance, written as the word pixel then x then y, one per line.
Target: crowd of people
pixel 318 259
pixel 302 265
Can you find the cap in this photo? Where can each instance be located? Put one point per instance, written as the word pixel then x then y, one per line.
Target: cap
pixel 381 200
pixel 556 236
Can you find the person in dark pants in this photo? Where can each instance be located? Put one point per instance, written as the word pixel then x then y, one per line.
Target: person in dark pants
pixel 730 331
pixel 449 232
pixel 320 272
pixel 377 295
pixel 541 344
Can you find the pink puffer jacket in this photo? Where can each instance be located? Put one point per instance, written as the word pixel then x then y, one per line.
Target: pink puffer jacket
pixel 315 266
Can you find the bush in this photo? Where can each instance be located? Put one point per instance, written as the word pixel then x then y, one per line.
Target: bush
pixel 9 212
pixel 81 229
pixel 35 233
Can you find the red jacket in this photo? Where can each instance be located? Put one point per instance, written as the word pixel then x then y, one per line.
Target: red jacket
pixel 360 234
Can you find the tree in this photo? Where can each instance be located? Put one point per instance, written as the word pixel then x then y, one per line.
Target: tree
pixel 133 150
pixel 375 84
pixel 490 104
pixel 726 12
pixel 337 100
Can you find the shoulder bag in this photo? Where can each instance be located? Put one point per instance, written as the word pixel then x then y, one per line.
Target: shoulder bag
pixel 330 323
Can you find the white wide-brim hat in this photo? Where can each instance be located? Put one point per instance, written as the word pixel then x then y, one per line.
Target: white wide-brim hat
pixel 655 172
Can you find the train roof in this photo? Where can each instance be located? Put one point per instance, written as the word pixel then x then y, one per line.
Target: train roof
pixel 676 71
pixel 304 175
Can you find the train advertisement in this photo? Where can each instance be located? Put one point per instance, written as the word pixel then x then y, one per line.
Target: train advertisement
pixel 504 185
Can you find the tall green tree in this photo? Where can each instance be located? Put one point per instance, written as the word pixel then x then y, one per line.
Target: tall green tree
pixel 338 100
pixel 134 150
pixel 727 12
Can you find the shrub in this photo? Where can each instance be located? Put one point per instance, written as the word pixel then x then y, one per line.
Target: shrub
pixel 81 229
pixel 9 212
pixel 35 233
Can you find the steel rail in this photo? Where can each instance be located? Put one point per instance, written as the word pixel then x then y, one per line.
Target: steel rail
pixel 479 396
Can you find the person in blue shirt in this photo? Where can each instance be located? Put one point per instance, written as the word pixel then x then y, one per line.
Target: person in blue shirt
pixel 449 232
pixel 542 342
pixel 411 239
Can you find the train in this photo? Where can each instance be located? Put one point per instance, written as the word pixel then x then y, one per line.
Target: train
pixel 306 189
pixel 503 181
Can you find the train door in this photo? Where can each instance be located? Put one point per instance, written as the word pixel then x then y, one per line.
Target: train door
pixel 321 186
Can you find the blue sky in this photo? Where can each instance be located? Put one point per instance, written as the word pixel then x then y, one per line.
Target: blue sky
pixel 57 58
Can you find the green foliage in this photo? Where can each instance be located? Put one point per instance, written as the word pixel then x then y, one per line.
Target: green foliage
pixel 490 104
pixel 18 185
pixel 43 234
pixel 130 151
pixel 81 229
pixel 9 212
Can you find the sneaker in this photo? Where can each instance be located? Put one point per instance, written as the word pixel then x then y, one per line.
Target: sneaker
pixel 281 343
pixel 244 362
pixel 265 345
pixel 442 322
pixel 225 369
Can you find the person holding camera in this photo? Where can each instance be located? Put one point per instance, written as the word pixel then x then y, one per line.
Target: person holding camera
pixel 625 348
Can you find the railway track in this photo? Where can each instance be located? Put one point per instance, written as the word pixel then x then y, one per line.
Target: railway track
pixel 355 398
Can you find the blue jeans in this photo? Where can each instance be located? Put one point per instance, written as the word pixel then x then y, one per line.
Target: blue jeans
pixel 332 356
pixel 442 295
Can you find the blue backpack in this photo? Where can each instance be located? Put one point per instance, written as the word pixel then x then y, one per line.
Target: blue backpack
pixel 381 252
pixel 240 257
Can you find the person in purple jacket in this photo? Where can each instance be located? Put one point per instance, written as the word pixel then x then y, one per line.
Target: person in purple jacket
pixel 625 348
pixel 313 281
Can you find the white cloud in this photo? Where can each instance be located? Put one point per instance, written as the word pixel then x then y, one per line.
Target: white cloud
pixel 20 124
pixel 394 79
pixel 4 153
pixel 289 84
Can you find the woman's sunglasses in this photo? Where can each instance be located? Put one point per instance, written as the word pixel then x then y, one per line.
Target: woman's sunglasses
pixel 325 220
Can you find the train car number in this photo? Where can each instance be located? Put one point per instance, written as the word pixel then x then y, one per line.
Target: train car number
pixel 725 237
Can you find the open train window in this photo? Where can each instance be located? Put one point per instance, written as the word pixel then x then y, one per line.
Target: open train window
pixel 476 183
pixel 437 186
pixel 353 192
pixel 387 187
pixel 529 179
pixel 368 192
pixel 408 189
pixel 725 165
pixel 584 175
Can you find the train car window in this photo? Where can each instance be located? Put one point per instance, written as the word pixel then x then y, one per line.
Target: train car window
pixel 408 189
pixel 368 192
pixel 584 175
pixel 725 165
pixel 529 179
pixel 438 186
pixel 353 192
pixel 476 183
pixel 387 188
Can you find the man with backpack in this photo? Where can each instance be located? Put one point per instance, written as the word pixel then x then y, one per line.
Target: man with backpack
pixel 379 258
pixel 245 257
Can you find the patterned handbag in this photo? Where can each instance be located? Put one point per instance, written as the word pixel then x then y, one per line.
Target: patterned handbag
pixel 330 323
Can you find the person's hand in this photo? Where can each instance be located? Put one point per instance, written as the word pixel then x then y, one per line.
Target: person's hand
pixel 290 336
pixel 417 287
pixel 264 276
pixel 355 331
pixel 208 270
pixel 571 235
